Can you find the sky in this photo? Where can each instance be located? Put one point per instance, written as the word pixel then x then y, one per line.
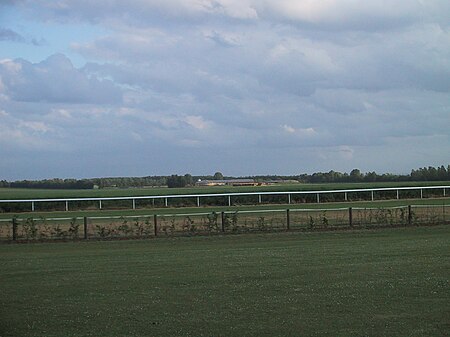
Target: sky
pixel 245 87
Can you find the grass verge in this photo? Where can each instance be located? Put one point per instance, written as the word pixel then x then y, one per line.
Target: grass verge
pixel 390 282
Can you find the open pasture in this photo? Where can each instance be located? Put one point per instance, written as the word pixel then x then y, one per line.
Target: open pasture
pixel 27 193
pixel 161 210
pixel 387 282
pixel 238 198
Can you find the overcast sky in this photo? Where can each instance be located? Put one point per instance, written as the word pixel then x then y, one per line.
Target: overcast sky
pixel 245 87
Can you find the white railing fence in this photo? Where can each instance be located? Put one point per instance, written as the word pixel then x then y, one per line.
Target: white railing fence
pixel 225 199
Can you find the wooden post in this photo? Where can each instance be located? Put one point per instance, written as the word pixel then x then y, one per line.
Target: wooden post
pixel 288 220
pixel 155 224
pixel 223 221
pixel 85 227
pixel 350 216
pixel 409 215
pixel 14 229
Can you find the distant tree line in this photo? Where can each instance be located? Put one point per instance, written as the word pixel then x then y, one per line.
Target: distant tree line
pixel 120 182
pixel 355 176
pixel 422 174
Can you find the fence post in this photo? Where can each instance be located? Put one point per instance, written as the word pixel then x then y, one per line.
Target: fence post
pixel 85 227
pixel 14 229
pixel 288 220
pixel 443 213
pixel 223 221
pixel 350 216
pixel 155 224
pixel 409 215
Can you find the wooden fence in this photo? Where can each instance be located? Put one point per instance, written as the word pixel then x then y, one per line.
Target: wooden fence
pixel 155 225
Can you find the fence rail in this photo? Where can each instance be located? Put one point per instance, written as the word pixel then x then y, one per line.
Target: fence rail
pixel 153 225
pixel 12 205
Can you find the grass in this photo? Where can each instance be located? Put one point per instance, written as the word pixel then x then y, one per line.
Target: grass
pixel 391 282
pixel 210 209
pixel 26 193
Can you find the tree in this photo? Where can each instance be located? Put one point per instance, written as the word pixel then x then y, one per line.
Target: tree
pixel 355 175
pixel 188 179
pixel 176 181
pixel 218 176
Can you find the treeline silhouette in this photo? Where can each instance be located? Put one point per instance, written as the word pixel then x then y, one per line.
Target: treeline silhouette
pixel 422 174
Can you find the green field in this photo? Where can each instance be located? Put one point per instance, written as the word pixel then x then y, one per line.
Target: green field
pixel 24 193
pixel 390 282
pixel 188 210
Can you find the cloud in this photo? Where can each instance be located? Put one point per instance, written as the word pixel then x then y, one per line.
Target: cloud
pixel 303 132
pixel 54 80
pixel 197 122
pixel 10 35
pixel 312 85
pixel 327 15
pixel 21 134
pixel 223 39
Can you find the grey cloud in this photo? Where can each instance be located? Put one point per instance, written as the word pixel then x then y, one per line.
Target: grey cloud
pixel 222 40
pixel 10 35
pixel 39 42
pixel 55 80
pixel 324 15
pixel 340 89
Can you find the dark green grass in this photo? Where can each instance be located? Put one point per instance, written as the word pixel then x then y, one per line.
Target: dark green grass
pixel 392 282
pixel 202 209
pixel 26 193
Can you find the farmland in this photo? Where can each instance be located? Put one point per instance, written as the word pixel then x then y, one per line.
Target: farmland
pixel 267 207
pixel 26 193
pixel 212 198
pixel 389 282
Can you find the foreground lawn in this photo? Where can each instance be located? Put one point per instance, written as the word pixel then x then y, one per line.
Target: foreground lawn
pixel 391 282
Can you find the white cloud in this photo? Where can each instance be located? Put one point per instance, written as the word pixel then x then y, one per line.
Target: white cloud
pixel 54 80
pixel 304 132
pixel 35 126
pixel 197 122
pixel 288 128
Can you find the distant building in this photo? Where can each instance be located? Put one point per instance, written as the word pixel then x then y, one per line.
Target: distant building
pixel 227 182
